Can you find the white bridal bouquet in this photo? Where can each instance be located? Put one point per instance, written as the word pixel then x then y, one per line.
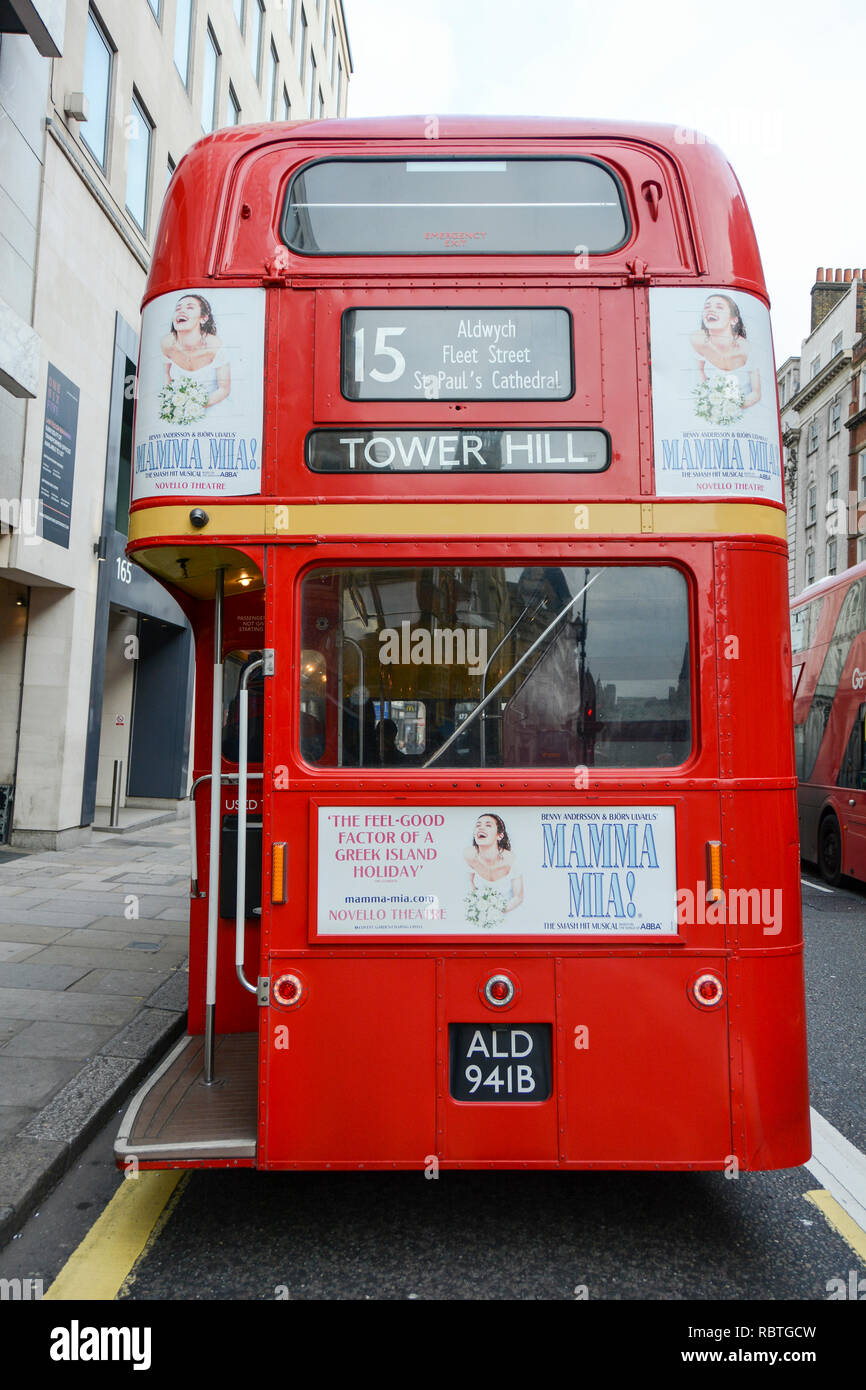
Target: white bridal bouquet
pixel 485 907
pixel 720 401
pixel 183 402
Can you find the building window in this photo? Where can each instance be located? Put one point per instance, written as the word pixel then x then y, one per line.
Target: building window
pixel 234 111
pixel 862 401
pixel 831 556
pixel 97 89
pixel 836 345
pixel 782 391
pixel 811 505
pixel 170 167
pixel 333 54
pixel 834 482
pixel 321 105
pixel 240 13
pixel 863 474
pixel 861 548
pixel 815 366
pixel 812 437
pixel 138 166
pixel 325 24
pixel 302 45
pixel 339 83
pixel 182 30
pixel 256 48
pixel 835 416
pixel 272 82
pixel 312 83
pixel 209 85
pixel 810 566
pixel 156 6
pixel 287 105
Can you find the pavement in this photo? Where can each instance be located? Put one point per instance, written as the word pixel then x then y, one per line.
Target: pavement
pixel 93 989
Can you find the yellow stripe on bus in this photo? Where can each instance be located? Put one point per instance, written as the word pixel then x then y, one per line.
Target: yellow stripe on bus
pixel 445 519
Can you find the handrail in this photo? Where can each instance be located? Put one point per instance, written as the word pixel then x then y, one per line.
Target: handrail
pixel 216 754
pixel 241 865
pixel 362 704
pixel 193 846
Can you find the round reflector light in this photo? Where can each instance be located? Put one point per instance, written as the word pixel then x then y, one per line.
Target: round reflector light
pixel 288 989
pixel 708 990
pixel 499 991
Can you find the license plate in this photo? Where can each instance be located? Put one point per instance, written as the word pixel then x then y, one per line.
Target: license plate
pixel 500 1061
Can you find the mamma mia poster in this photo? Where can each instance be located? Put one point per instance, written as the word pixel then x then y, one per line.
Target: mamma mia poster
pixel 198 421
pixel 503 870
pixel 715 424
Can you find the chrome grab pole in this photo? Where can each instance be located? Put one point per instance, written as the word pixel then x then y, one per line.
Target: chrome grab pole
pixel 362 706
pixel 241 871
pixel 226 779
pixel 215 799
pixel 493 655
pixel 507 677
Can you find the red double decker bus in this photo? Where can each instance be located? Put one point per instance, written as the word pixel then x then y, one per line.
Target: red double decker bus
pixel 828 645
pixel 458 443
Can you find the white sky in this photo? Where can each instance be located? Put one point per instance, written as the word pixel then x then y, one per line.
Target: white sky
pixel 778 84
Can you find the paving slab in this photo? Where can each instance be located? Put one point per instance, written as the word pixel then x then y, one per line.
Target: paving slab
pixel 108 957
pixel 9 1027
pixel 150 907
pixel 47 915
pixel 26 931
pixel 16 950
pixel 53 1039
pixel 174 994
pixel 149 1029
pixel 67 1006
pixel 28 975
pixel 137 984
pixel 90 999
pixel 13 1118
pixel 31 1081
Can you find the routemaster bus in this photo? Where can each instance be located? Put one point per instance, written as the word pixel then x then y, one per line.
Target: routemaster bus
pixel 828 644
pixel 458 443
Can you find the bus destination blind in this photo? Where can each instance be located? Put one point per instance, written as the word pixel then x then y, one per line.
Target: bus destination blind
pixel 457 354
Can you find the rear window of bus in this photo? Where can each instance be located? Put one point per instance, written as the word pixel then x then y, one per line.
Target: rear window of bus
pixel 455 206
pixel 492 666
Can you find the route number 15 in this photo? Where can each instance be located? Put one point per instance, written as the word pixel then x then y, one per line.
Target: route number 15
pixel 382 349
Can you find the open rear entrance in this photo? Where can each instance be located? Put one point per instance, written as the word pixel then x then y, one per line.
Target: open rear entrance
pixel 177 1116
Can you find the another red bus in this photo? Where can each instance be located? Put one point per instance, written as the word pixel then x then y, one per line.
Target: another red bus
pixel 828 643
pixel 458 442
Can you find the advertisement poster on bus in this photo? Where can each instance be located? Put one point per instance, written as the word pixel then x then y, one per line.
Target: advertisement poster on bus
pixel 715 425
pixel 198 420
pixel 503 870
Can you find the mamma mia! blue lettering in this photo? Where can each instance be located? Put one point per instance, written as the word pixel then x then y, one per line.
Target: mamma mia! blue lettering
pixel 224 454
pixel 594 848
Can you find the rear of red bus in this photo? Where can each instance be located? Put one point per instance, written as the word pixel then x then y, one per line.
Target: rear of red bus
pixel 485 559
pixel 828 638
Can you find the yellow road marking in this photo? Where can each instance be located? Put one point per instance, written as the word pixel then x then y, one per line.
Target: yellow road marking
pixel 99 1266
pixel 838 1218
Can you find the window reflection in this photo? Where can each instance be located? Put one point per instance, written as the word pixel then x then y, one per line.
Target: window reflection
pixel 485 666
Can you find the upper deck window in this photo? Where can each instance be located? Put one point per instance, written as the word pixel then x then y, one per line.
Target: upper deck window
pixel 434 207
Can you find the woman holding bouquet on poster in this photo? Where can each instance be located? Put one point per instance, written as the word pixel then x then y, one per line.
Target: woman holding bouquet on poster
pixel 197 371
pixel 494 887
pixel 730 382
